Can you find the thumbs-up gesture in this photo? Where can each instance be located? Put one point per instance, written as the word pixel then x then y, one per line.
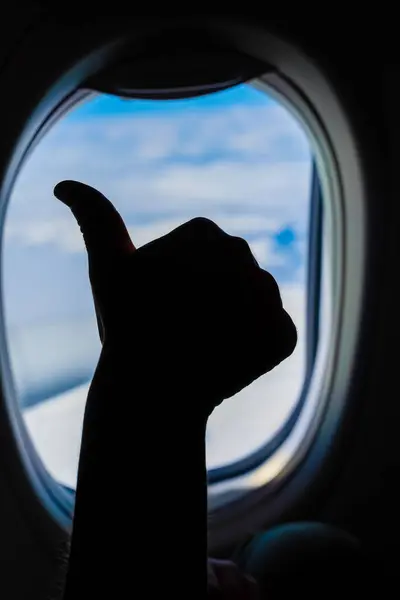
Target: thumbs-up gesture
pixel 194 302
pixel 185 321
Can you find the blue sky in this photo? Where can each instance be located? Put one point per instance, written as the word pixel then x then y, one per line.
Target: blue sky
pixel 109 105
pixel 236 156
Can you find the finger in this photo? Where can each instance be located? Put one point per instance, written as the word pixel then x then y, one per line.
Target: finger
pixel 103 229
pixel 104 233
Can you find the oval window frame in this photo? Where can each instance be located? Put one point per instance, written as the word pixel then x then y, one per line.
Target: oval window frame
pixel 297 74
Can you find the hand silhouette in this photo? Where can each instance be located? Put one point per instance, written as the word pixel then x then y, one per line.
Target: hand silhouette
pixel 185 321
pixel 195 301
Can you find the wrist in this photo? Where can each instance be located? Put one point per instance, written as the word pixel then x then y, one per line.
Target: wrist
pixel 162 496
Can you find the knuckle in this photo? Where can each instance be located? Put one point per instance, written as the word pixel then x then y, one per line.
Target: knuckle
pixel 204 225
pixel 270 283
pixel 240 244
pixel 241 249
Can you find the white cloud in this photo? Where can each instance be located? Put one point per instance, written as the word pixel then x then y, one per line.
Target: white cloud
pixel 58 231
pixel 246 168
pixel 278 187
pixel 247 158
pixel 64 232
pixel 247 131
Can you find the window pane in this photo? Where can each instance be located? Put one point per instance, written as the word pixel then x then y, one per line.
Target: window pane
pixel 237 157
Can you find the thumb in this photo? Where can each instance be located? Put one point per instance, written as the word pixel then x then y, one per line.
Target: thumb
pixel 103 229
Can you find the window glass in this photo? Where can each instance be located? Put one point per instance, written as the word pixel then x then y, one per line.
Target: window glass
pixel 237 157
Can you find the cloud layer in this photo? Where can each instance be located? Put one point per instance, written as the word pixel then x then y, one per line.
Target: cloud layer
pixel 245 167
pixel 248 161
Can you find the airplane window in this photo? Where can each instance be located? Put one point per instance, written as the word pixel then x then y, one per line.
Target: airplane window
pixel 238 157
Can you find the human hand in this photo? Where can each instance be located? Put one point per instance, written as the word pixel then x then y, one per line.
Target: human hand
pixel 185 321
pixel 194 300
